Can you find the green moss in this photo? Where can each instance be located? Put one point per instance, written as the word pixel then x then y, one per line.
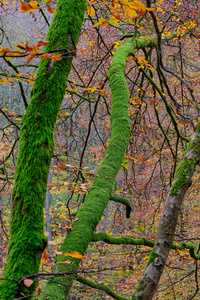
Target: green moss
pixel 121 240
pixel 141 286
pixel 36 148
pixel 187 164
pixel 181 175
pixel 152 256
pixel 92 209
pixel 101 287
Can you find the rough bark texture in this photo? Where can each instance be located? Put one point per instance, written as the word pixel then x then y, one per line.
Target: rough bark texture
pixel 91 211
pixel 27 241
pixel 182 181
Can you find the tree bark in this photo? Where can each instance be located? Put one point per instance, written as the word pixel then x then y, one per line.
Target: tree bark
pixel 36 147
pixel 168 221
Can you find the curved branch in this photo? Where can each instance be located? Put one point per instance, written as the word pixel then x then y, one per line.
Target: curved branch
pixel 123 201
pixel 101 287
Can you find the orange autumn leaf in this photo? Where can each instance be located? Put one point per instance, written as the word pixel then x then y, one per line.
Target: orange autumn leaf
pixel 25 47
pixel 52 56
pixel 3 50
pixel 50 9
pixel 28 282
pixel 28 7
pixel 29 58
pixel 45 55
pixel 45 255
pixel 8 54
pixel 11 114
pixel 92 2
pixel 56 57
pixel 41 43
pixel 74 254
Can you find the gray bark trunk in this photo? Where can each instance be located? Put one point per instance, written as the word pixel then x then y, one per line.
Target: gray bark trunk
pixel 182 181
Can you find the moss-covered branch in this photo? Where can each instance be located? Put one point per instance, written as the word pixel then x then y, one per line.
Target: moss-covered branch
pixel 189 246
pixel 124 240
pixel 36 148
pixel 101 287
pixel 98 197
pixel 123 201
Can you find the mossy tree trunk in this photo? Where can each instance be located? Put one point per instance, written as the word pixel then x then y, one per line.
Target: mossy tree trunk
pixel 27 240
pixel 168 221
pixel 92 209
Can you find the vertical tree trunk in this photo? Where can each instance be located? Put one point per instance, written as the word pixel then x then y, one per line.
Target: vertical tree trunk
pixel 36 147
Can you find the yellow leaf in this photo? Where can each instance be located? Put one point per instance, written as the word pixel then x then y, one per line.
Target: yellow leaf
pixel 74 254
pixel 90 11
pixel 130 12
pixel 43 262
pixel 118 192
pixel 102 22
pixel 114 6
pixel 114 20
pixel 92 2
pixel 138 5
pixel 91 89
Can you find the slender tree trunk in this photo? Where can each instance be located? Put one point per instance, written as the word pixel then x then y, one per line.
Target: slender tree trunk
pixel 36 147
pixel 167 225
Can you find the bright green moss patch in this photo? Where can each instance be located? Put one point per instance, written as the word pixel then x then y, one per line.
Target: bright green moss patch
pixel 181 175
pixel 36 148
pixel 152 256
pixel 97 199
